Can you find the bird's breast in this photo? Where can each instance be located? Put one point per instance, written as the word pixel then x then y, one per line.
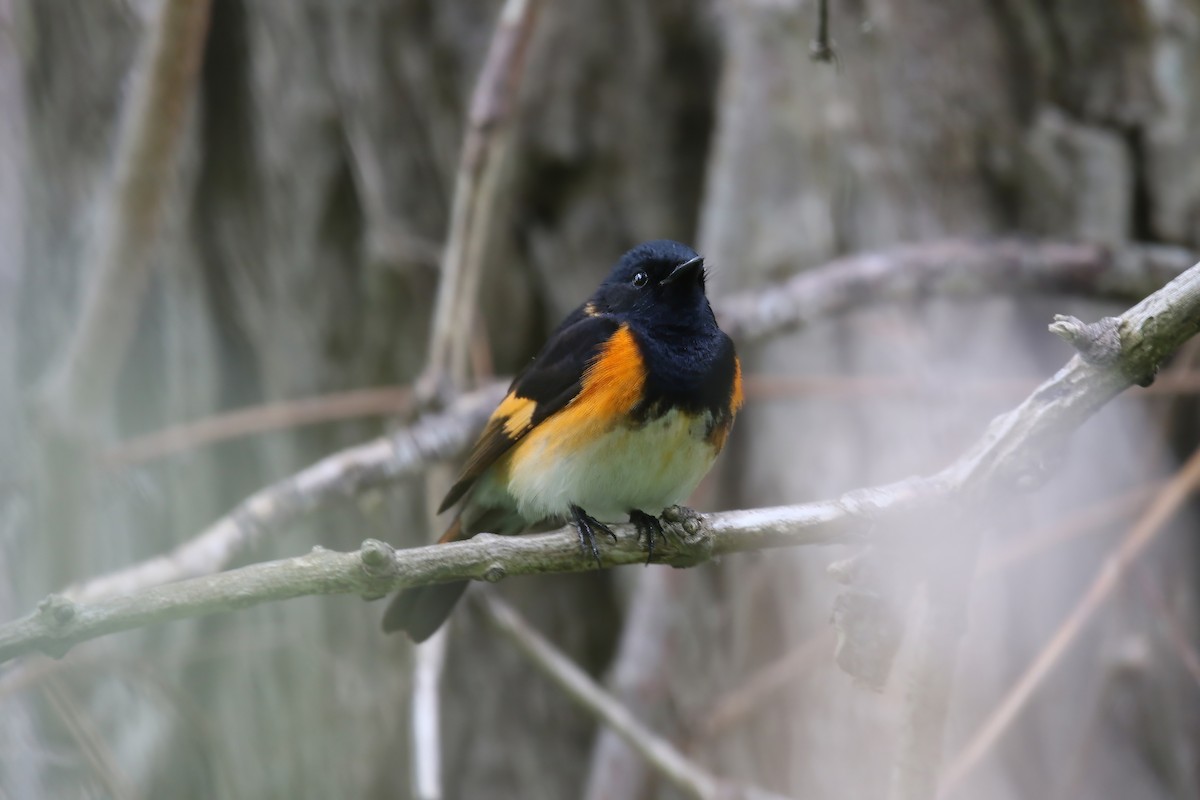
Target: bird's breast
pixel 610 469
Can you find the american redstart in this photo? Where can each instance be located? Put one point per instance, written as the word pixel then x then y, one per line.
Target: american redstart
pixel 621 414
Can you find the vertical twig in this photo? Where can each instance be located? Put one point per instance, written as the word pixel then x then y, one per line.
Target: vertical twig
pixel 641 664
pixel 429 662
pixel 450 342
pixel 763 685
pixel 116 265
pixel 1178 632
pixel 674 767
pixel 669 762
pixel 822 48
pixel 475 185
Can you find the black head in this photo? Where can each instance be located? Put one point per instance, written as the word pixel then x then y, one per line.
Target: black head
pixel 657 283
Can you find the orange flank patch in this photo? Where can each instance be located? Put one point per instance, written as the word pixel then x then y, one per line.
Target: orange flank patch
pixel 720 433
pixel 735 402
pixel 611 388
pixel 612 384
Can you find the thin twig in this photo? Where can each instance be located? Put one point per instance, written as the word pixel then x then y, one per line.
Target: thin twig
pixel 88 739
pixel 484 148
pixel 1178 632
pixel 822 48
pixel 339 477
pixel 638 675
pixel 1018 550
pixel 452 336
pixel 430 660
pixel 253 420
pixel 760 687
pixel 660 754
pixel 117 271
pixel 392 401
pixel 761 387
pixel 950 268
pixel 1164 507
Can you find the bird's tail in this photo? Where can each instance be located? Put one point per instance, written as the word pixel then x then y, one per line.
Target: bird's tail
pixel 421 610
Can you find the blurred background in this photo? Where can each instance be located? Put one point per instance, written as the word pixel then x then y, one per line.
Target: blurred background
pixel 295 255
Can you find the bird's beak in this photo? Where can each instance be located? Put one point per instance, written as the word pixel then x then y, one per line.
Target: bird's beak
pixel 688 269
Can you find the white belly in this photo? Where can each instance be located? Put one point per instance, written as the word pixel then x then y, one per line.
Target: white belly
pixel 646 468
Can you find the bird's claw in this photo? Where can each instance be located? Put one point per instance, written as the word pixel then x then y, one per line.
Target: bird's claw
pixel 648 528
pixel 588 526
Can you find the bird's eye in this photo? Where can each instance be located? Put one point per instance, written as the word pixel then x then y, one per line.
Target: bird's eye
pixel 641 279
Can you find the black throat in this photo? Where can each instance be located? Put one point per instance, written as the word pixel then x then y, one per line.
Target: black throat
pixel 689 367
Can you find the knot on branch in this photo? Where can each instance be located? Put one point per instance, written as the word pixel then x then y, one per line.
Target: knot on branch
pixel 378 558
pixel 692 542
pixel 57 610
pixel 378 561
pixel 1098 343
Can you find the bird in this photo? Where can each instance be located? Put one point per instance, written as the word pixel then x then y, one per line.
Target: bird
pixel 620 414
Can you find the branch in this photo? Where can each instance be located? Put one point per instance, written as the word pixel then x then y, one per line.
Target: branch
pixel 343 475
pixel 429 661
pixel 763 685
pixel 822 48
pixel 483 153
pixel 950 268
pixel 635 679
pixel 384 401
pixel 579 686
pixel 451 338
pixel 117 269
pixel 1014 451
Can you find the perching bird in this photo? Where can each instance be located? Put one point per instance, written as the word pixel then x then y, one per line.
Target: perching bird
pixel 621 414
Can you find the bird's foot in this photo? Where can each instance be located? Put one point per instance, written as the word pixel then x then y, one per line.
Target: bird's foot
pixel 648 528
pixel 588 526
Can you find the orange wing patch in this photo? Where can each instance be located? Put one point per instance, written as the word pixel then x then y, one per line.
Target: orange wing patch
pixel 516 414
pixel 508 422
